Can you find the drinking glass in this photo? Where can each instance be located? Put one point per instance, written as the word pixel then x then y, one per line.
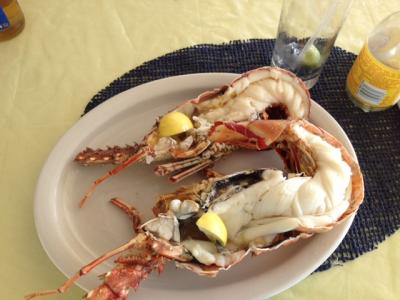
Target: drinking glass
pixel 306 34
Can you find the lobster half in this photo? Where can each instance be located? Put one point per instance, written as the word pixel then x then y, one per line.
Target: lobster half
pixel 260 94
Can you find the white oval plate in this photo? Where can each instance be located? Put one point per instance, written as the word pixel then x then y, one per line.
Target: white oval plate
pixel 73 237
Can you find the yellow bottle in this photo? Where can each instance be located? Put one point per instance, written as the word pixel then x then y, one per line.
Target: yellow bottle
pixel 12 19
pixel 373 82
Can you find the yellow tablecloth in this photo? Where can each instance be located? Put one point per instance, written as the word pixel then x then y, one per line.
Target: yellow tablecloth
pixel 69 50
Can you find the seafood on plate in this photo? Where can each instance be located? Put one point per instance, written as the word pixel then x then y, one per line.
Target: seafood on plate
pixel 212 225
pixel 181 136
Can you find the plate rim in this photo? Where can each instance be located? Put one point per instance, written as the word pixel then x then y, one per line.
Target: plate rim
pixel 114 103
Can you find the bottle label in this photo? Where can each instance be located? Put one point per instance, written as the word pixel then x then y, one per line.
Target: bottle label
pixel 4 22
pixel 372 82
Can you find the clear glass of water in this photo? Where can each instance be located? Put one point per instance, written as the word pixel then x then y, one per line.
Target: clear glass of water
pixel 306 34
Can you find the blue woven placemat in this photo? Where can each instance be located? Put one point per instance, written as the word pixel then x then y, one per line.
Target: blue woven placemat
pixel 375 136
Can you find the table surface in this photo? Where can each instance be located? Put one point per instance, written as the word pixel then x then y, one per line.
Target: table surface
pixel 69 50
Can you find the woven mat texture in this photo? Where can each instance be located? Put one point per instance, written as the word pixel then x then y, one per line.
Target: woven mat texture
pixel 375 136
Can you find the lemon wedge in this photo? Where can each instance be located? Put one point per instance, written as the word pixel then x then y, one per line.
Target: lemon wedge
pixel 312 57
pixel 174 123
pixel 213 227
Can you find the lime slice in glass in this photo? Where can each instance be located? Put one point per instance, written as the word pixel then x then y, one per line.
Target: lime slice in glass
pixel 312 57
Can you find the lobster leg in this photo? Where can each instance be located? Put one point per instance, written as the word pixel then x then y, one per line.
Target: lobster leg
pixel 212 154
pixel 133 159
pixel 168 168
pixel 86 269
pixel 193 170
pixel 201 147
pixel 131 211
